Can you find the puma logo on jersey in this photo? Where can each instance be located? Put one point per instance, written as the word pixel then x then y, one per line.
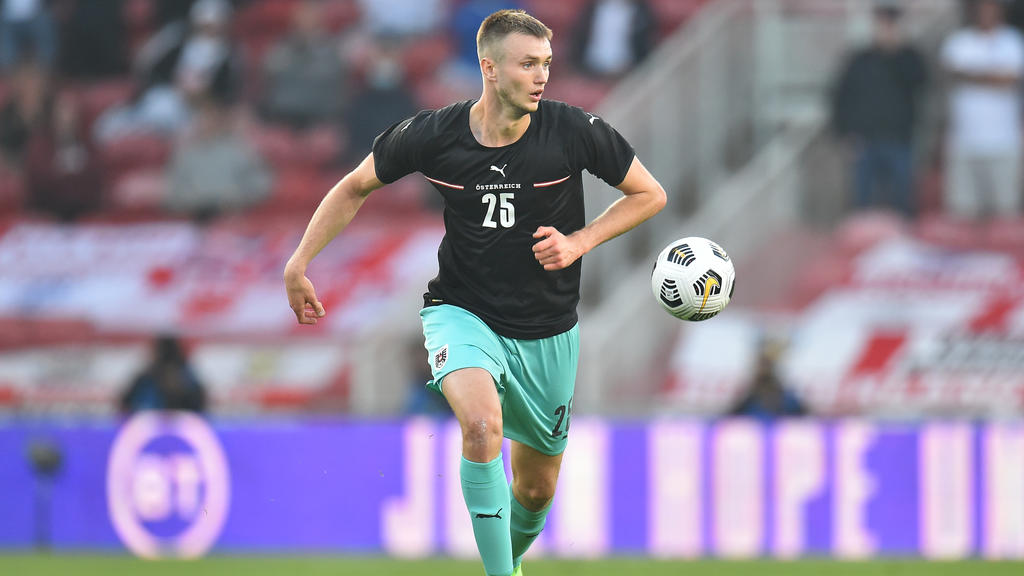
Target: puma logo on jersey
pixel 500 170
pixel 592 118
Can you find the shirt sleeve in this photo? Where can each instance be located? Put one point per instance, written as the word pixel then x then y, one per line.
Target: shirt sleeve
pixel 1015 55
pixel 399 150
pixel 950 54
pixel 599 148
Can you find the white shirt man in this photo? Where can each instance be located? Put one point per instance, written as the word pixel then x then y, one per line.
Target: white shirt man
pixel 984 139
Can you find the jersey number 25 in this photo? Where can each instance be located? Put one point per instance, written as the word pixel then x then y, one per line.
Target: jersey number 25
pixel 506 210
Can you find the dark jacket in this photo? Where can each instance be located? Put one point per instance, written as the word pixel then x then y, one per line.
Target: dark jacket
pixel 876 97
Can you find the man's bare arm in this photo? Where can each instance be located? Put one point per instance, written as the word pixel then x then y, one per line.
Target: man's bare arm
pixel 335 212
pixel 991 79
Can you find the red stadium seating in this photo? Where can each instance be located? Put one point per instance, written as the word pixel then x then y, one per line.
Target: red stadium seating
pixel 97 97
pixel 581 91
pixel 138 193
pixel 134 152
pixel 423 56
pixel 270 19
pixel 340 14
pixel 12 192
pixel 670 14
pixel 559 16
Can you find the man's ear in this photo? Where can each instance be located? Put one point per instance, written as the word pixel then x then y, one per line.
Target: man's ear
pixel 488 68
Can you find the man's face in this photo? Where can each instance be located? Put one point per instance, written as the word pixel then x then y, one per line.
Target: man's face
pixel 522 71
pixel 990 14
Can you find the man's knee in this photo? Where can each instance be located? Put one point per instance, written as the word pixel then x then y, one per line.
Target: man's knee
pixel 535 493
pixel 482 429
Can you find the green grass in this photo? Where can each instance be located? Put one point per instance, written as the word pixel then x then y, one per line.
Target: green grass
pixel 91 565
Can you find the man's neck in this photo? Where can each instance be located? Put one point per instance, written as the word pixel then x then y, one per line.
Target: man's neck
pixel 494 124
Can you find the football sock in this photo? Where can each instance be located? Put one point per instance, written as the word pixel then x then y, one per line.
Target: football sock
pixel 486 492
pixel 526 526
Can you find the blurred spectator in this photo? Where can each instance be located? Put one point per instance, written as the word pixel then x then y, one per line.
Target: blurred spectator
pixel 167 383
pixel 170 11
pixel 62 171
pixel 983 145
pixel 183 64
pixel 463 69
pixel 767 398
pixel 213 169
pixel 93 40
pixel 402 18
pixel 613 36
pixel 24 109
pixel 384 100
pixel 26 31
pixel 875 107
pixel 304 73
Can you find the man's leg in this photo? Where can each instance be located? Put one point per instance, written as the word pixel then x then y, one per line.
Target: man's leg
pixel 865 176
pixel 961 192
pixel 474 398
pixel 534 477
pixel 1004 179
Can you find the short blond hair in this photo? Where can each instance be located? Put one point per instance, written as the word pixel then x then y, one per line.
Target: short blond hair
pixel 500 24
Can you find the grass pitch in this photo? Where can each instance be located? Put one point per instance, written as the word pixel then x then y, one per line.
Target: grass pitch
pixel 92 565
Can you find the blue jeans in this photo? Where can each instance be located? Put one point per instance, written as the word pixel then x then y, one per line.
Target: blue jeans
pixel 38 33
pixel 883 176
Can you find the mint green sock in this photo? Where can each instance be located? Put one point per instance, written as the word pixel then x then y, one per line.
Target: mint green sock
pixel 526 526
pixel 486 492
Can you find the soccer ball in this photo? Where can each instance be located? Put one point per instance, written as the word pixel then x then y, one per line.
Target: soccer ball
pixel 693 278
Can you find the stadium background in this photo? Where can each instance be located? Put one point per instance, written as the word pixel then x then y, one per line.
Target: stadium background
pixel 900 337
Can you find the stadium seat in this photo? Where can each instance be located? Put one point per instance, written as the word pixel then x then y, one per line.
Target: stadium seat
pixel 577 90
pixel 340 14
pixel 432 93
pixel 286 149
pixel 1006 235
pixel 134 152
pixel 423 56
pixel 670 14
pixel 138 193
pixel 12 192
pixel 947 231
pixel 97 97
pixel 559 16
pixel 864 229
pixel 297 189
pixel 266 19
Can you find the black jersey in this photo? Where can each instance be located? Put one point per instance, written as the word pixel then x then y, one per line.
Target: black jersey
pixel 494 200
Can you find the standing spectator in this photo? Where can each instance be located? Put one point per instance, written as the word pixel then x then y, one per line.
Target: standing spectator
pixel 24 109
pixel 26 30
pixel 304 72
pixel 62 171
pixel 402 18
pixel 182 65
pixel 875 107
pixel 462 70
pixel 93 40
pixel 384 100
pixel 213 170
pixel 985 61
pixel 613 36
pixel 167 383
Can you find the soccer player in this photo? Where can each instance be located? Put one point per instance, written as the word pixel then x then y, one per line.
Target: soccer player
pixel 499 320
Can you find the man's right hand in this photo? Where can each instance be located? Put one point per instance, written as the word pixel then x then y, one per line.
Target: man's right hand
pixel 302 297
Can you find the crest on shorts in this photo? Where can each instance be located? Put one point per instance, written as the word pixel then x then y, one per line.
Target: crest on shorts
pixel 441 357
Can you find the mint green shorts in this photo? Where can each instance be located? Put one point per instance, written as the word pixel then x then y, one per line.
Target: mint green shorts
pixel 535 378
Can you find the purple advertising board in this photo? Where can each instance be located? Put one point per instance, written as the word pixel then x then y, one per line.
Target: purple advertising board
pixel 176 485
